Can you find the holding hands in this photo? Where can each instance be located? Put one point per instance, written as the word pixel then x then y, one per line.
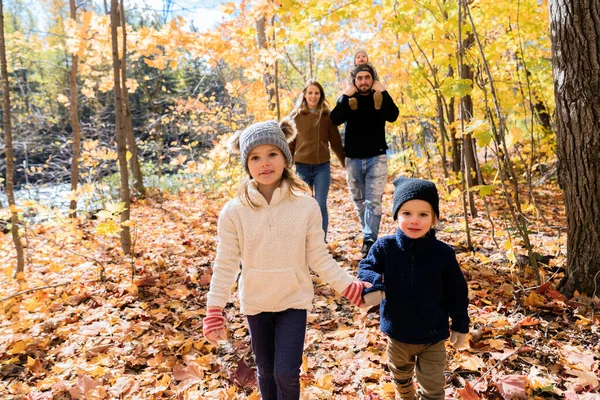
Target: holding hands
pixel 354 293
pixel 213 325
pixel 374 298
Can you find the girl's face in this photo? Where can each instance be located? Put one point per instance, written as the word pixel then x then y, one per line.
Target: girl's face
pixel 415 218
pixel 266 164
pixel 361 58
pixel 312 96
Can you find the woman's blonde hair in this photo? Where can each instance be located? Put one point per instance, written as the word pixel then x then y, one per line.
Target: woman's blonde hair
pixel 322 105
pixel 296 186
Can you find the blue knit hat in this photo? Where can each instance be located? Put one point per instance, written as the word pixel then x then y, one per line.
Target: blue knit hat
pixel 406 189
pixel 269 132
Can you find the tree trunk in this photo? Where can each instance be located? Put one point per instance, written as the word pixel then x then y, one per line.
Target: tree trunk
pixel 120 129
pixel 134 161
pixel 456 151
pixel 268 78
pixel 576 70
pixel 74 104
pixel 466 112
pixel 10 165
pixel 466 115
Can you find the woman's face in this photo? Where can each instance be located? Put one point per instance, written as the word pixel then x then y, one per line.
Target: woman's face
pixel 312 96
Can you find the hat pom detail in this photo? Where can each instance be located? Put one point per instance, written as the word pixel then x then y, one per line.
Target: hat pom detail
pixel 233 143
pixel 288 127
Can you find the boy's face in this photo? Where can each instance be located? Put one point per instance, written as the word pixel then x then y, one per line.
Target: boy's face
pixel 415 218
pixel 361 58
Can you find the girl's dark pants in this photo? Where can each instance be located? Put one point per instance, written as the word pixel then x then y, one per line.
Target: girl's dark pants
pixel 277 342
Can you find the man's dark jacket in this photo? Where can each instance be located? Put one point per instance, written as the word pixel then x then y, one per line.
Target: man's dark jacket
pixel 364 136
pixel 423 285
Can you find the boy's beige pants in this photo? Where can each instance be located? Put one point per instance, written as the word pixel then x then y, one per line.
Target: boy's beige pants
pixel 427 361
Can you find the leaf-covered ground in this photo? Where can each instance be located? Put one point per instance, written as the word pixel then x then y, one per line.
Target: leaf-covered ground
pixel 81 327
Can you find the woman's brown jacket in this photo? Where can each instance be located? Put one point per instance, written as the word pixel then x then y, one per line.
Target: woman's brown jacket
pixel 311 145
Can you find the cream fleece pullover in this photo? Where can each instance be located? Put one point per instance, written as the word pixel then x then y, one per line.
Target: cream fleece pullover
pixel 276 244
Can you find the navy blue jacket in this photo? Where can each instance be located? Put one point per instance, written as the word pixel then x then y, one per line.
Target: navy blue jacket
pixel 423 285
pixel 364 136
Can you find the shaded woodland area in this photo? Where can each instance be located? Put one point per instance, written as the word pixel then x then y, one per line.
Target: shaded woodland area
pixel 135 108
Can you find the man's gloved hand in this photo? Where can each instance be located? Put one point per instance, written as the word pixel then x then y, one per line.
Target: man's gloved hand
pixel 458 339
pixel 213 325
pixel 354 292
pixel 374 298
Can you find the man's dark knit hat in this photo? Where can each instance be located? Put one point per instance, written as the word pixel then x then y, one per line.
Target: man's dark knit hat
pixel 406 189
pixel 361 68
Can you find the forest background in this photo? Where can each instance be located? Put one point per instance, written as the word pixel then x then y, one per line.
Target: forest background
pixel 104 282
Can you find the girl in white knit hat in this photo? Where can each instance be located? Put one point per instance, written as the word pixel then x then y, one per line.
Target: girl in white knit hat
pixel 273 227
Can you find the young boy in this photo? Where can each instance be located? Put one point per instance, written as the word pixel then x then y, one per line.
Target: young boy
pixel 419 284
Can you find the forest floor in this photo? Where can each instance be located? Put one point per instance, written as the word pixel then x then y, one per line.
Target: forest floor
pixel 84 322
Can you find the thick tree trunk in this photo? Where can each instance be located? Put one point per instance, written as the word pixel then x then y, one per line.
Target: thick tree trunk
pixel 74 104
pixel 120 129
pixel 10 165
pixel 576 69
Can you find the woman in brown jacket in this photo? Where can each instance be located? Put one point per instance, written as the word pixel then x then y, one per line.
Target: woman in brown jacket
pixel 310 148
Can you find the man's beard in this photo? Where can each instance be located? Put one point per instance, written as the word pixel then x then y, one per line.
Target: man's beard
pixel 362 90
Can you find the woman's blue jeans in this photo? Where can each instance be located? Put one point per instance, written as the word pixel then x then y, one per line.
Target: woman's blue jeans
pixel 318 177
pixel 277 342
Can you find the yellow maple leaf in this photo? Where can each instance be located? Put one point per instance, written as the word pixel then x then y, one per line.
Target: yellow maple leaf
pixel 17 347
pixel 497 344
pixel 538 382
pixel 108 228
pixel 534 300
pixel 325 381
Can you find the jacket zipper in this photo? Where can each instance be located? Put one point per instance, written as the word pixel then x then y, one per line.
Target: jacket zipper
pixel 319 141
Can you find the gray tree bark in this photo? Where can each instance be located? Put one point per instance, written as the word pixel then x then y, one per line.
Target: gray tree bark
pixel 576 69
pixel 10 164
pixel 74 105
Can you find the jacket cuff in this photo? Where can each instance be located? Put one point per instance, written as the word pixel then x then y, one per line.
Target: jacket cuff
pixel 376 287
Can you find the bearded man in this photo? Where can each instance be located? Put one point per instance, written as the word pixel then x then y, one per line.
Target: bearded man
pixel 365 147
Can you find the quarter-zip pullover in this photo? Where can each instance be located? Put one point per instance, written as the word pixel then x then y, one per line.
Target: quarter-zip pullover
pixel 278 244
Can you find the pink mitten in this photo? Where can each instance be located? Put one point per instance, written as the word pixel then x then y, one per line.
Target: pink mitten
pixel 213 325
pixel 354 292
